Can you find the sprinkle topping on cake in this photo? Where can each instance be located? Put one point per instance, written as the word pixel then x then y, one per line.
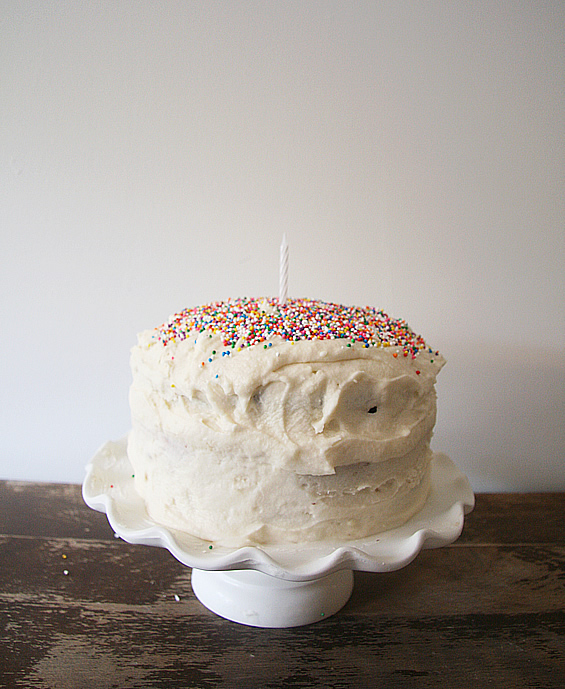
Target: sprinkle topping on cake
pixel 246 322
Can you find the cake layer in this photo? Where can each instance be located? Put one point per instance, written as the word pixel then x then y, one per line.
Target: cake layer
pixel 253 502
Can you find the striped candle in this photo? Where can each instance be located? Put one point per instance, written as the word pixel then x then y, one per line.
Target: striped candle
pixel 283 271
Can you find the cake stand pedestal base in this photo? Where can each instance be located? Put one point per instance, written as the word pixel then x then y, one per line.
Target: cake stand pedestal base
pixel 259 600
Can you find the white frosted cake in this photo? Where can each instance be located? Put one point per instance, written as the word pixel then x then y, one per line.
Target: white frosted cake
pixel 260 422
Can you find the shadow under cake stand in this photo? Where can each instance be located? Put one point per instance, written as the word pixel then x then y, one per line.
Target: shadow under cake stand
pixel 278 585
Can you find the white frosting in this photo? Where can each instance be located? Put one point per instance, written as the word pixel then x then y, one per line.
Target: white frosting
pixel 282 442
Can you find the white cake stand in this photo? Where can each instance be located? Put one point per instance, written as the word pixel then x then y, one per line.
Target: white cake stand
pixel 279 585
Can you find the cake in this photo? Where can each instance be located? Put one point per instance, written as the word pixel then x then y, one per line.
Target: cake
pixel 260 422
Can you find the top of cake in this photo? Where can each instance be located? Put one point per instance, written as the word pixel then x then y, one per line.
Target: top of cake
pixel 245 322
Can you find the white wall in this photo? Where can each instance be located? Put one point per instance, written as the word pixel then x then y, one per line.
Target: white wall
pixel 153 153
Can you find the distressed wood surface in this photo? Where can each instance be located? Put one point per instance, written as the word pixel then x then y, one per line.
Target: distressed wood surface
pixel 80 608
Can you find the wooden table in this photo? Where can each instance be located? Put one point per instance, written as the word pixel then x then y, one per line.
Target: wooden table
pixel 80 608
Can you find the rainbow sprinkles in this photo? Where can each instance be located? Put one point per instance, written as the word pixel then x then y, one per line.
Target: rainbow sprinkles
pixel 245 322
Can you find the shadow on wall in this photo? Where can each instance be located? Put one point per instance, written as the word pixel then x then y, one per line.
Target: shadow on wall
pixel 501 416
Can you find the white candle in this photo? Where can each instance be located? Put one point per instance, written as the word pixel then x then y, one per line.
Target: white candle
pixel 283 272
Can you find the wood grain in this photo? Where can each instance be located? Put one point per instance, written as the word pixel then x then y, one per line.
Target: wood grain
pixel 80 608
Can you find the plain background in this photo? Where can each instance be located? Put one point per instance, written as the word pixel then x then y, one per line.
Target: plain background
pixel 153 153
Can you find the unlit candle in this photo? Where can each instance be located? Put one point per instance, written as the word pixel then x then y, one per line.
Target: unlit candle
pixel 283 276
